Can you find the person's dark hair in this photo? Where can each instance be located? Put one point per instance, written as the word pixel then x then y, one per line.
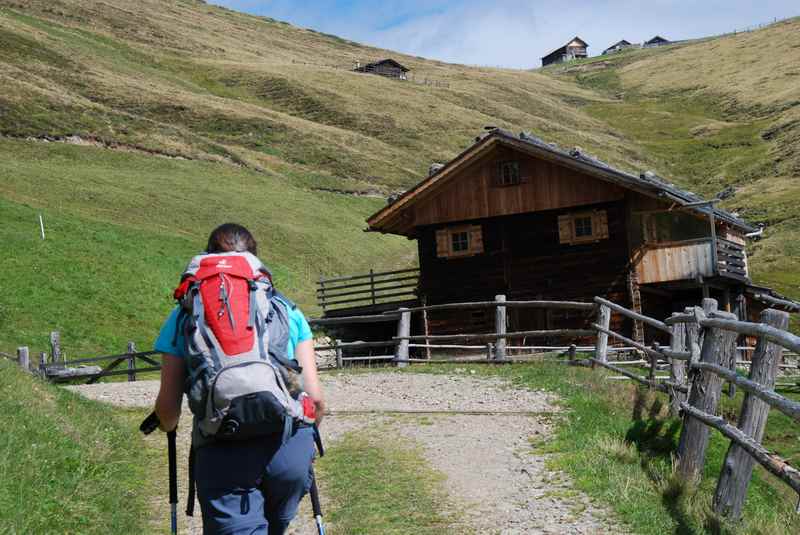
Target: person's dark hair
pixel 231 237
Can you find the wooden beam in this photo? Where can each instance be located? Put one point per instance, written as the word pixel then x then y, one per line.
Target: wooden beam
pixel 660 325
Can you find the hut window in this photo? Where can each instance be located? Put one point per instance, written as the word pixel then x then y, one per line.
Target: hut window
pixel 583 227
pixel 458 241
pixel 508 173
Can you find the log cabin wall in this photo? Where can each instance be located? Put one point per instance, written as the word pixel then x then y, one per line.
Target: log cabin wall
pixel 524 258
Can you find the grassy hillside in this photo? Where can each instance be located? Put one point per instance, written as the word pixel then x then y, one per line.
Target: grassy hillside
pixel 713 114
pixel 135 128
pixel 69 465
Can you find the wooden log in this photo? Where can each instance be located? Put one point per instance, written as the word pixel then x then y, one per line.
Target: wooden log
pixel 140 354
pixel 772 463
pixel 572 352
pixel 790 305
pixel 656 385
pixel 718 344
pixel 55 349
pixel 500 324
pixel 677 368
pixel 577 333
pixel 339 359
pixel 356 345
pixel 378 318
pixel 356 277
pixel 131 362
pixel 24 359
pixel 489 351
pixel 403 331
pixel 777 336
pixel 563 305
pixel 660 325
pixel 654 362
pixel 787 406
pixel 737 469
pixel 604 321
pixel 625 339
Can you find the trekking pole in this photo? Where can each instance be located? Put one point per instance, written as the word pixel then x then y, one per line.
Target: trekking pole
pixel 149 425
pixel 315 505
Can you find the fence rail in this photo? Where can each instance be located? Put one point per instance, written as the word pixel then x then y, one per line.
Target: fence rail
pixel 702 354
pixel 367 289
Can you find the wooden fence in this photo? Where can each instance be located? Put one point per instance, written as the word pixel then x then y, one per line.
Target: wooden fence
pixel 368 289
pixel 701 356
pixel 55 366
pixel 494 345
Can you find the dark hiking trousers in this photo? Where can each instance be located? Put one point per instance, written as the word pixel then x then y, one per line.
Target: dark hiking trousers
pixel 253 487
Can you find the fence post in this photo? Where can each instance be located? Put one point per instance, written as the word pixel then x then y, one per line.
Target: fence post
pixel 603 320
pixel 572 352
pixel 677 368
pixel 372 284
pixel 339 357
pixel 24 358
pixel 131 362
pixel 706 389
pixel 489 351
pixel 43 364
pixel 500 327
pixel 403 332
pixel 55 348
pixel 738 467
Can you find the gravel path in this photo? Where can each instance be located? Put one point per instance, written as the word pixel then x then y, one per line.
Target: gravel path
pixel 491 472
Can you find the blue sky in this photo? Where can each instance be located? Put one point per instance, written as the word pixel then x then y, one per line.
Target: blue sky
pixel 513 33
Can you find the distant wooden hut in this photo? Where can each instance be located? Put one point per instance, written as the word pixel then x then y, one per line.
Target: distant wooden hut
pixel 385 67
pixel 617 47
pixel 656 41
pixel 575 49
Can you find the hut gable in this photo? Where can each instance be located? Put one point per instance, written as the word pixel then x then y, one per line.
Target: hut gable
pixel 574 49
pixel 656 41
pixel 617 47
pixel 503 174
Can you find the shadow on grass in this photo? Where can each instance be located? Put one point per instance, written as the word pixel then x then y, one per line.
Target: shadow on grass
pixel 655 436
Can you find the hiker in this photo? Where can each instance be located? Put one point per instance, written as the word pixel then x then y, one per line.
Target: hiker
pixel 245 485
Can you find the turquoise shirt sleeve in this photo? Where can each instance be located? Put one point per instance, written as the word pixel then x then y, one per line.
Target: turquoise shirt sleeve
pixel 299 330
pixel 167 342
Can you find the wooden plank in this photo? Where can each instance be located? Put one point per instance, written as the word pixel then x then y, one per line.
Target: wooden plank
pixel 369 292
pixel 111 357
pixel 565 305
pixel 355 345
pixel 367 298
pixel 377 318
pixel 718 346
pixel 660 325
pixel 356 277
pixel 577 333
pixel 328 289
pixel 772 463
pixel 737 469
pixel 656 385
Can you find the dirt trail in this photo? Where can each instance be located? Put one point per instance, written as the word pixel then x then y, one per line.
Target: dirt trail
pixel 478 433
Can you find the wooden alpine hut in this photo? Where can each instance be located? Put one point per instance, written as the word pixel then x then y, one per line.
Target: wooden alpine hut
pixel 575 49
pixel 385 67
pixel 515 215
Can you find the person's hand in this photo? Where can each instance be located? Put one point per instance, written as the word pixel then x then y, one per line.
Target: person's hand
pixel 320 410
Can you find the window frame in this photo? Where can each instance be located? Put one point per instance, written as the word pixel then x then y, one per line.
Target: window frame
pixel 514 180
pixel 598 225
pixel 446 238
